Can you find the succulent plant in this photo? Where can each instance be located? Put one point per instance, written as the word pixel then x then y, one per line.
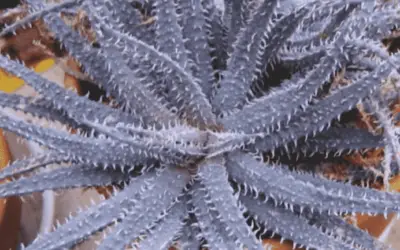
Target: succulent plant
pixel 199 97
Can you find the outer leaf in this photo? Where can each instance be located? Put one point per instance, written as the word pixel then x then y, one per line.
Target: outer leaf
pixel 32 163
pixel 107 65
pixel 27 21
pixel 319 115
pixel 158 198
pixel 169 33
pixel 75 176
pixel 337 227
pixel 96 217
pixel 186 90
pixel 97 65
pixel 302 59
pixel 217 237
pixel 215 179
pixel 165 230
pixel 194 30
pixel 35 107
pixel 120 14
pixel 309 191
pixel 277 36
pixel 62 98
pixel 241 69
pixel 289 225
pixel 217 33
pixel 341 139
pixel 163 142
pixel 94 61
pixel 240 12
pixel 273 109
pixel 189 236
pixel 330 27
pixel 84 150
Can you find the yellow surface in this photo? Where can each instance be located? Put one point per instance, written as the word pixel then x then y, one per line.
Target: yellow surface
pixel 10 83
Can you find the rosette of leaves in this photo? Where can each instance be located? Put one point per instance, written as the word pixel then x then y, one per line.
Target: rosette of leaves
pixel 198 97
